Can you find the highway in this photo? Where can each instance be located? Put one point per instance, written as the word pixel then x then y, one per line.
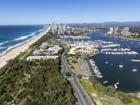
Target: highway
pixel 79 92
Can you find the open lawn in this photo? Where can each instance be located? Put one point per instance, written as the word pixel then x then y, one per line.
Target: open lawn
pixel 98 97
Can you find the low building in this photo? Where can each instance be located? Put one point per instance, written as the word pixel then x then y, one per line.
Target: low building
pixel 45 52
pixel 32 58
pixel 54 49
pixel 44 45
pixel 83 47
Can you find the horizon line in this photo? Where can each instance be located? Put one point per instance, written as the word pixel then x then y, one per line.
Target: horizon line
pixel 71 23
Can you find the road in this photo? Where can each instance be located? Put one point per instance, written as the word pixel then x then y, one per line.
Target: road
pixel 79 92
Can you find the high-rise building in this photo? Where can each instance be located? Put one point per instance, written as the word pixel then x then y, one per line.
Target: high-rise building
pixel 116 31
pixel 111 30
pixel 62 29
pixel 125 31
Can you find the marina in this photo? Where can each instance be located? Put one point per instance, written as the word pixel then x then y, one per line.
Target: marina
pixel 115 49
pixel 110 45
pixel 120 53
pixel 118 60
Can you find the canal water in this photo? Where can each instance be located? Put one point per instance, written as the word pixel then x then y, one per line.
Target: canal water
pixel 129 81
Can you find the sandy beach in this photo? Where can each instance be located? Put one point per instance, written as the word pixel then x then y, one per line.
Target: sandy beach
pixel 16 50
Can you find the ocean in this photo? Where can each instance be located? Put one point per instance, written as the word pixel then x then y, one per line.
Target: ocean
pixel 14 34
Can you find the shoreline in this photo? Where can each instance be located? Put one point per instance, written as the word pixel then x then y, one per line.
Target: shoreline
pixel 134 93
pixel 14 51
pixel 125 38
pixel 131 93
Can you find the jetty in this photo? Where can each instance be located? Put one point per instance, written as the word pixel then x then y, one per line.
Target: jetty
pixel 95 69
pixel 118 51
pixel 135 60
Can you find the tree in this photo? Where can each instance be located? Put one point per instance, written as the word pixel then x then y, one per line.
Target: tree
pixel 68 74
pixel 79 76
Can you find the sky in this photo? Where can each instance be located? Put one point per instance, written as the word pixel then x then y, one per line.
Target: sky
pixel 68 11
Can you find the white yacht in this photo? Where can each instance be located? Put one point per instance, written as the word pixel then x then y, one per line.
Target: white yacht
pixel 121 66
pixel 106 62
pixel 134 70
pixel 116 84
pixel 105 82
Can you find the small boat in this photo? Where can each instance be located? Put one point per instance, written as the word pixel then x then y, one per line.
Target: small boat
pixel 105 82
pixel 106 62
pixel 116 84
pixel 100 76
pixel 121 66
pixel 134 70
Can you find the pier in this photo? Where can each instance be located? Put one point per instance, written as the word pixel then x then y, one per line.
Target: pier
pixel 95 69
pixel 118 51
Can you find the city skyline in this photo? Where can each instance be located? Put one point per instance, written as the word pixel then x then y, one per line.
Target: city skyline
pixel 68 11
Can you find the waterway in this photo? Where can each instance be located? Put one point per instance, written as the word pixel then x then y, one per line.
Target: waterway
pixel 129 80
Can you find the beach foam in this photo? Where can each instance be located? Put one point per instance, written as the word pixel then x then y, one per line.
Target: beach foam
pixel 2 43
pixel 27 36
pixel 1 47
pixel 21 38
pixel 14 51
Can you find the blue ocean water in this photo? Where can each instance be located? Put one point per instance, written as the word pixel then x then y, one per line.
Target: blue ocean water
pixel 12 35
